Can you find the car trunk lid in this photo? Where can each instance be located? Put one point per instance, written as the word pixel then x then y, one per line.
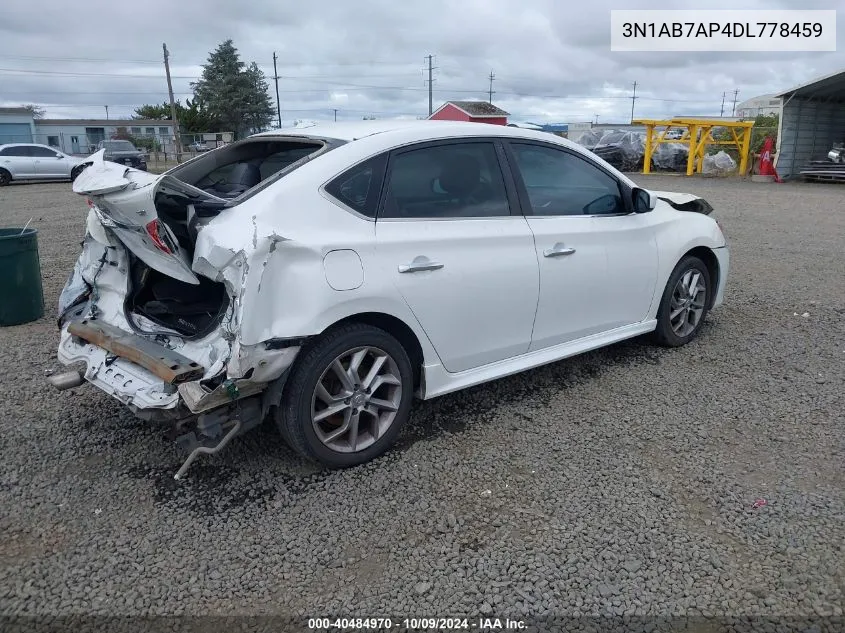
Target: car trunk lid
pixel 123 199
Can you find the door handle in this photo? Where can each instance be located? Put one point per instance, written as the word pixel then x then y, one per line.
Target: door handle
pixel 420 264
pixel 558 250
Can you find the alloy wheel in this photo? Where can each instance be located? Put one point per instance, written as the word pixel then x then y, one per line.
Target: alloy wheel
pixel 688 300
pixel 356 399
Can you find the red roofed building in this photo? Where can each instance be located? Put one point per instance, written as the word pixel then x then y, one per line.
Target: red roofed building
pixel 473 111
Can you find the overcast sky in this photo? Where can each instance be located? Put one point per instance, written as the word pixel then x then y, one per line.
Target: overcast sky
pixel 551 59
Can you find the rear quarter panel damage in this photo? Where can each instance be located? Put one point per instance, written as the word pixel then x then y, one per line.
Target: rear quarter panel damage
pixel 272 261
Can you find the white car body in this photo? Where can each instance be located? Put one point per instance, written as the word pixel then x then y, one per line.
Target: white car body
pixel 31 161
pixel 492 297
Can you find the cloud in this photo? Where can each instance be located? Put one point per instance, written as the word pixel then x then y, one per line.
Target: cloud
pixel 551 60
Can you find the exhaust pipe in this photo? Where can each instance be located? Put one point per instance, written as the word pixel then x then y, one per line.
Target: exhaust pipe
pixel 66 380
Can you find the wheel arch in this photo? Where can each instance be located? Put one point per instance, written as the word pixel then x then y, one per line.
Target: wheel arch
pixel 398 329
pixel 706 254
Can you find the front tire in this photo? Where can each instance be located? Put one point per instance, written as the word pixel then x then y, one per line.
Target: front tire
pixel 684 303
pixel 347 397
pixel 5 177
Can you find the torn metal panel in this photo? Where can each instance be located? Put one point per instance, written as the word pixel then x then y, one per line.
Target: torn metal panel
pixel 131 384
pixel 168 365
pixel 124 201
pixel 200 399
pixel 263 363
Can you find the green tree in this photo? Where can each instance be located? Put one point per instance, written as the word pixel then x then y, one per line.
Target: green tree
pixel 155 112
pixel 260 110
pixel 233 95
pixel 36 111
pixel 193 118
pixel 764 125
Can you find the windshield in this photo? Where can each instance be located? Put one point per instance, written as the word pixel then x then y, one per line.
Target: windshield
pixel 120 146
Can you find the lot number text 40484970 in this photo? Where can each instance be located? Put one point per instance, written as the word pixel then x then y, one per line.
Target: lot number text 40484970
pixel 416 624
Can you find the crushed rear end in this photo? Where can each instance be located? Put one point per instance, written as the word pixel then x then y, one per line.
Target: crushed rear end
pixel 158 300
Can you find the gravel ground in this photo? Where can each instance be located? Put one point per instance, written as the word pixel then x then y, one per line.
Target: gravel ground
pixel 619 482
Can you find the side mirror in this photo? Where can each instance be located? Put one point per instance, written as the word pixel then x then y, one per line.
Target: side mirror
pixel 644 201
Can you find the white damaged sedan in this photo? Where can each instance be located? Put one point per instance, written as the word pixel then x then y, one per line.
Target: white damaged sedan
pixel 328 275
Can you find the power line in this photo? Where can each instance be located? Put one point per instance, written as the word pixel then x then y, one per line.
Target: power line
pixel 100 60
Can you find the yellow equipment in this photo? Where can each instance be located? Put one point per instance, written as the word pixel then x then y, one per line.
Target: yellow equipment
pixel 697 134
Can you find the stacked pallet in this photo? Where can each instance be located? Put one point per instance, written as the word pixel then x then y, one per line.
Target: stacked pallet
pixel 823 171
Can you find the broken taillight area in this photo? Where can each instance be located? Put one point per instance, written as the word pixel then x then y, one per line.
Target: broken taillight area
pixel 161 238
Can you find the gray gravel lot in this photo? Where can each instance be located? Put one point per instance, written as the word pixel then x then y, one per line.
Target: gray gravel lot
pixel 622 481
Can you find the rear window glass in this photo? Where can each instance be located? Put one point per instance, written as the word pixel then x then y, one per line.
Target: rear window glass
pixel 121 146
pixel 232 171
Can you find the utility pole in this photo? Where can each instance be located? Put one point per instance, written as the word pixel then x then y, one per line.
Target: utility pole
pixel 733 112
pixel 492 78
pixel 107 112
pixel 176 138
pixel 335 114
pixel 276 79
pixel 430 86
pixel 722 111
pixel 597 119
pixel 633 99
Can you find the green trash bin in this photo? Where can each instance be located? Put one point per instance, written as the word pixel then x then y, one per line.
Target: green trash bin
pixel 21 294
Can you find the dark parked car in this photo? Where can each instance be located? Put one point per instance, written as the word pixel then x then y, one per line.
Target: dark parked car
pixel 123 152
pixel 625 150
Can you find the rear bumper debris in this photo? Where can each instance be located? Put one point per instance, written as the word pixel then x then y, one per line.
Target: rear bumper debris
pixel 172 367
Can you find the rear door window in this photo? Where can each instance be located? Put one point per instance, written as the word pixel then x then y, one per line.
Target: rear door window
pixel 15 150
pixel 453 180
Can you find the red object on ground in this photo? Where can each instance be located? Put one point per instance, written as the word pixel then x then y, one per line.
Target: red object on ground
pixel 759 503
pixel 767 168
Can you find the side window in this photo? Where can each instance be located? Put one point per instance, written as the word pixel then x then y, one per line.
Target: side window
pixel 456 180
pixel 16 150
pixel 42 152
pixel 561 183
pixel 359 187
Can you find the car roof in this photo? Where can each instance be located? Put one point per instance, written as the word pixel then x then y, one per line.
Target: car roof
pixel 428 129
pixel 28 145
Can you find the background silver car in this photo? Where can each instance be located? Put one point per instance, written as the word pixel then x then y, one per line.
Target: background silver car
pixel 30 161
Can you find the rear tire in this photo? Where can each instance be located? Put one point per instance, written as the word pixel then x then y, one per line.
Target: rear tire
pixel 5 177
pixel 347 397
pixel 684 304
pixel 74 174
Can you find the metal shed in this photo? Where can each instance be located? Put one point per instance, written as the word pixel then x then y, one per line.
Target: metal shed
pixel 812 119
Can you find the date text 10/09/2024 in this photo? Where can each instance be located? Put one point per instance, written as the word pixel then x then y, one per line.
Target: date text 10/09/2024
pixel 416 624
pixel 722 29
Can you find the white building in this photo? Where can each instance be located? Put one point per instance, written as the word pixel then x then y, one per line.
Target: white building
pixel 16 126
pixel 764 104
pixel 80 136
